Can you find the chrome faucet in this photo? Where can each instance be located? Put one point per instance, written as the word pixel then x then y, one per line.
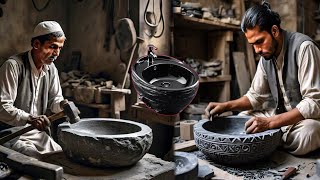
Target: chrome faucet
pixel 151 54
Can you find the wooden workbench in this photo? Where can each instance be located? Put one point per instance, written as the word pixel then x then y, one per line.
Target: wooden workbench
pixel 116 105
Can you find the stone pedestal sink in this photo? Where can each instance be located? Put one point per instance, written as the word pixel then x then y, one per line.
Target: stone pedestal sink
pixel 105 142
pixel 224 140
pixel 166 84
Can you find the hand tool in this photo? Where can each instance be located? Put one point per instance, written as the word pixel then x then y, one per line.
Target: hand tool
pixel 289 172
pixel 69 109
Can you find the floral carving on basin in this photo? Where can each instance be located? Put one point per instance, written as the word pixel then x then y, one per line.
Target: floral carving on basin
pixel 224 140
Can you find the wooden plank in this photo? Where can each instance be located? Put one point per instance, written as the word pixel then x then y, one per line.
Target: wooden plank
pixel 243 76
pixel 251 61
pixel 197 23
pixel 218 173
pixel 220 78
pixel 186 146
pixel 145 114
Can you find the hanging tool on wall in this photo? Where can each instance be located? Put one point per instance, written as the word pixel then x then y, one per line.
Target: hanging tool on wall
pixel 1 11
pixel 150 19
pixel 126 38
pixel 40 9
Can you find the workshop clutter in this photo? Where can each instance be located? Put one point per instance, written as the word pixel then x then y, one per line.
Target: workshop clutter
pixel 209 68
pixel 219 12
pixel 86 88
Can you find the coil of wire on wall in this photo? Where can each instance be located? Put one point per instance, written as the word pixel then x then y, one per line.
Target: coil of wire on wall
pixel 40 9
pixel 150 19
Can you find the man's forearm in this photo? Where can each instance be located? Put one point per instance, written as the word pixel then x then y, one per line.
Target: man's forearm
pixel 240 104
pixel 285 119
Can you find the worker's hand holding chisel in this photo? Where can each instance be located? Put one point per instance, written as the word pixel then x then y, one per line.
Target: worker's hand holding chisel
pixel 215 109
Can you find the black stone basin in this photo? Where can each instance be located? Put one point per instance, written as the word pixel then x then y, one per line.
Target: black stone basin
pixel 186 166
pixel 224 140
pixel 105 142
pixel 167 86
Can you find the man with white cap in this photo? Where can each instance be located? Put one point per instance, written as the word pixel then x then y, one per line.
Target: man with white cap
pixel 30 86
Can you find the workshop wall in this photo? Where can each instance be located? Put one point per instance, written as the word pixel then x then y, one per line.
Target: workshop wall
pixel 162 42
pixel 20 17
pixel 89 26
pixel 287 10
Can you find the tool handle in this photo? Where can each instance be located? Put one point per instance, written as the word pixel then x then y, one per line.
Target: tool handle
pixel 15 134
pixel 56 116
pixel 289 172
pixel 28 128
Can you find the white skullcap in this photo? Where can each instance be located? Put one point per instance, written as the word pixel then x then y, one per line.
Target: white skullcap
pixel 46 27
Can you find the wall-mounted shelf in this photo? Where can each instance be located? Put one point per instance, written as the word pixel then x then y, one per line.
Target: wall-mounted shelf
pixel 203 24
pixel 221 78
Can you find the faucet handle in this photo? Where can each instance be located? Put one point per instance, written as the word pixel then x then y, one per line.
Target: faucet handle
pixel 151 47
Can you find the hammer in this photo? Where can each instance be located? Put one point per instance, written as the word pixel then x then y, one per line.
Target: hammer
pixel 69 109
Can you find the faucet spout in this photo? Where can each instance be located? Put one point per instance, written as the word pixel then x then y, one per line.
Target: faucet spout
pixel 151 54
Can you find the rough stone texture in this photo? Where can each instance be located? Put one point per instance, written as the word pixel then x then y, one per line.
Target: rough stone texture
pixel 224 140
pixel 149 167
pixel 105 142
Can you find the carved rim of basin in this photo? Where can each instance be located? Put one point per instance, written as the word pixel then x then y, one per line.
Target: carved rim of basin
pixel 141 65
pixel 224 140
pixel 105 142
pixel 186 165
pixel 82 128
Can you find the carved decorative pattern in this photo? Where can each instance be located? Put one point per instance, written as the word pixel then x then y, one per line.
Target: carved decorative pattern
pixel 233 149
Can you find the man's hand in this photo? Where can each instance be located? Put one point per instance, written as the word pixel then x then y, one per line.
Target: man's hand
pixel 215 108
pixel 39 122
pixel 257 124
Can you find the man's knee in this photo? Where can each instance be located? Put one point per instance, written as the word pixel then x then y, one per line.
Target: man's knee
pixel 309 127
pixel 305 137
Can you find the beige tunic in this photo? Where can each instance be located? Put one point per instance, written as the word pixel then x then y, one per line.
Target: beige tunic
pixel 304 136
pixel 33 143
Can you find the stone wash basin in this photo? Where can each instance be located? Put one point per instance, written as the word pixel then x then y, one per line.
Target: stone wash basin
pixel 167 86
pixel 224 140
pixel 186 166
pixel 105 142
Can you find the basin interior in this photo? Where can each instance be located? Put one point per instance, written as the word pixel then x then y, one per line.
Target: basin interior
pixel 168 75
pixel 104 127
pixel 180 162
pixel 230 125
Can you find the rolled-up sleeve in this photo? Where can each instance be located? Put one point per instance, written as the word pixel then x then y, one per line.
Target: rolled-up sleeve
pixel 309 79
pixel 259 92
pixel 8 84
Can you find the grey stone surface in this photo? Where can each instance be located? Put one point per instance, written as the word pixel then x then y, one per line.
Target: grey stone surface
pixel 105 142
pixel 186 166
pixel 149 167
pixel 205 172
pixel 224 140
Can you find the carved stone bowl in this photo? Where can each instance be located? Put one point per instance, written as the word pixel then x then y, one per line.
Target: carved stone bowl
pixel 225 141
pixel 105 142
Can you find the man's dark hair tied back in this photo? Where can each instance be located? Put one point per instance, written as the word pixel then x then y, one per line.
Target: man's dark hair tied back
pixel 262 16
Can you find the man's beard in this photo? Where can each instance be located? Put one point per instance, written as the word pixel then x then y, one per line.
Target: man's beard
pixel 275 45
